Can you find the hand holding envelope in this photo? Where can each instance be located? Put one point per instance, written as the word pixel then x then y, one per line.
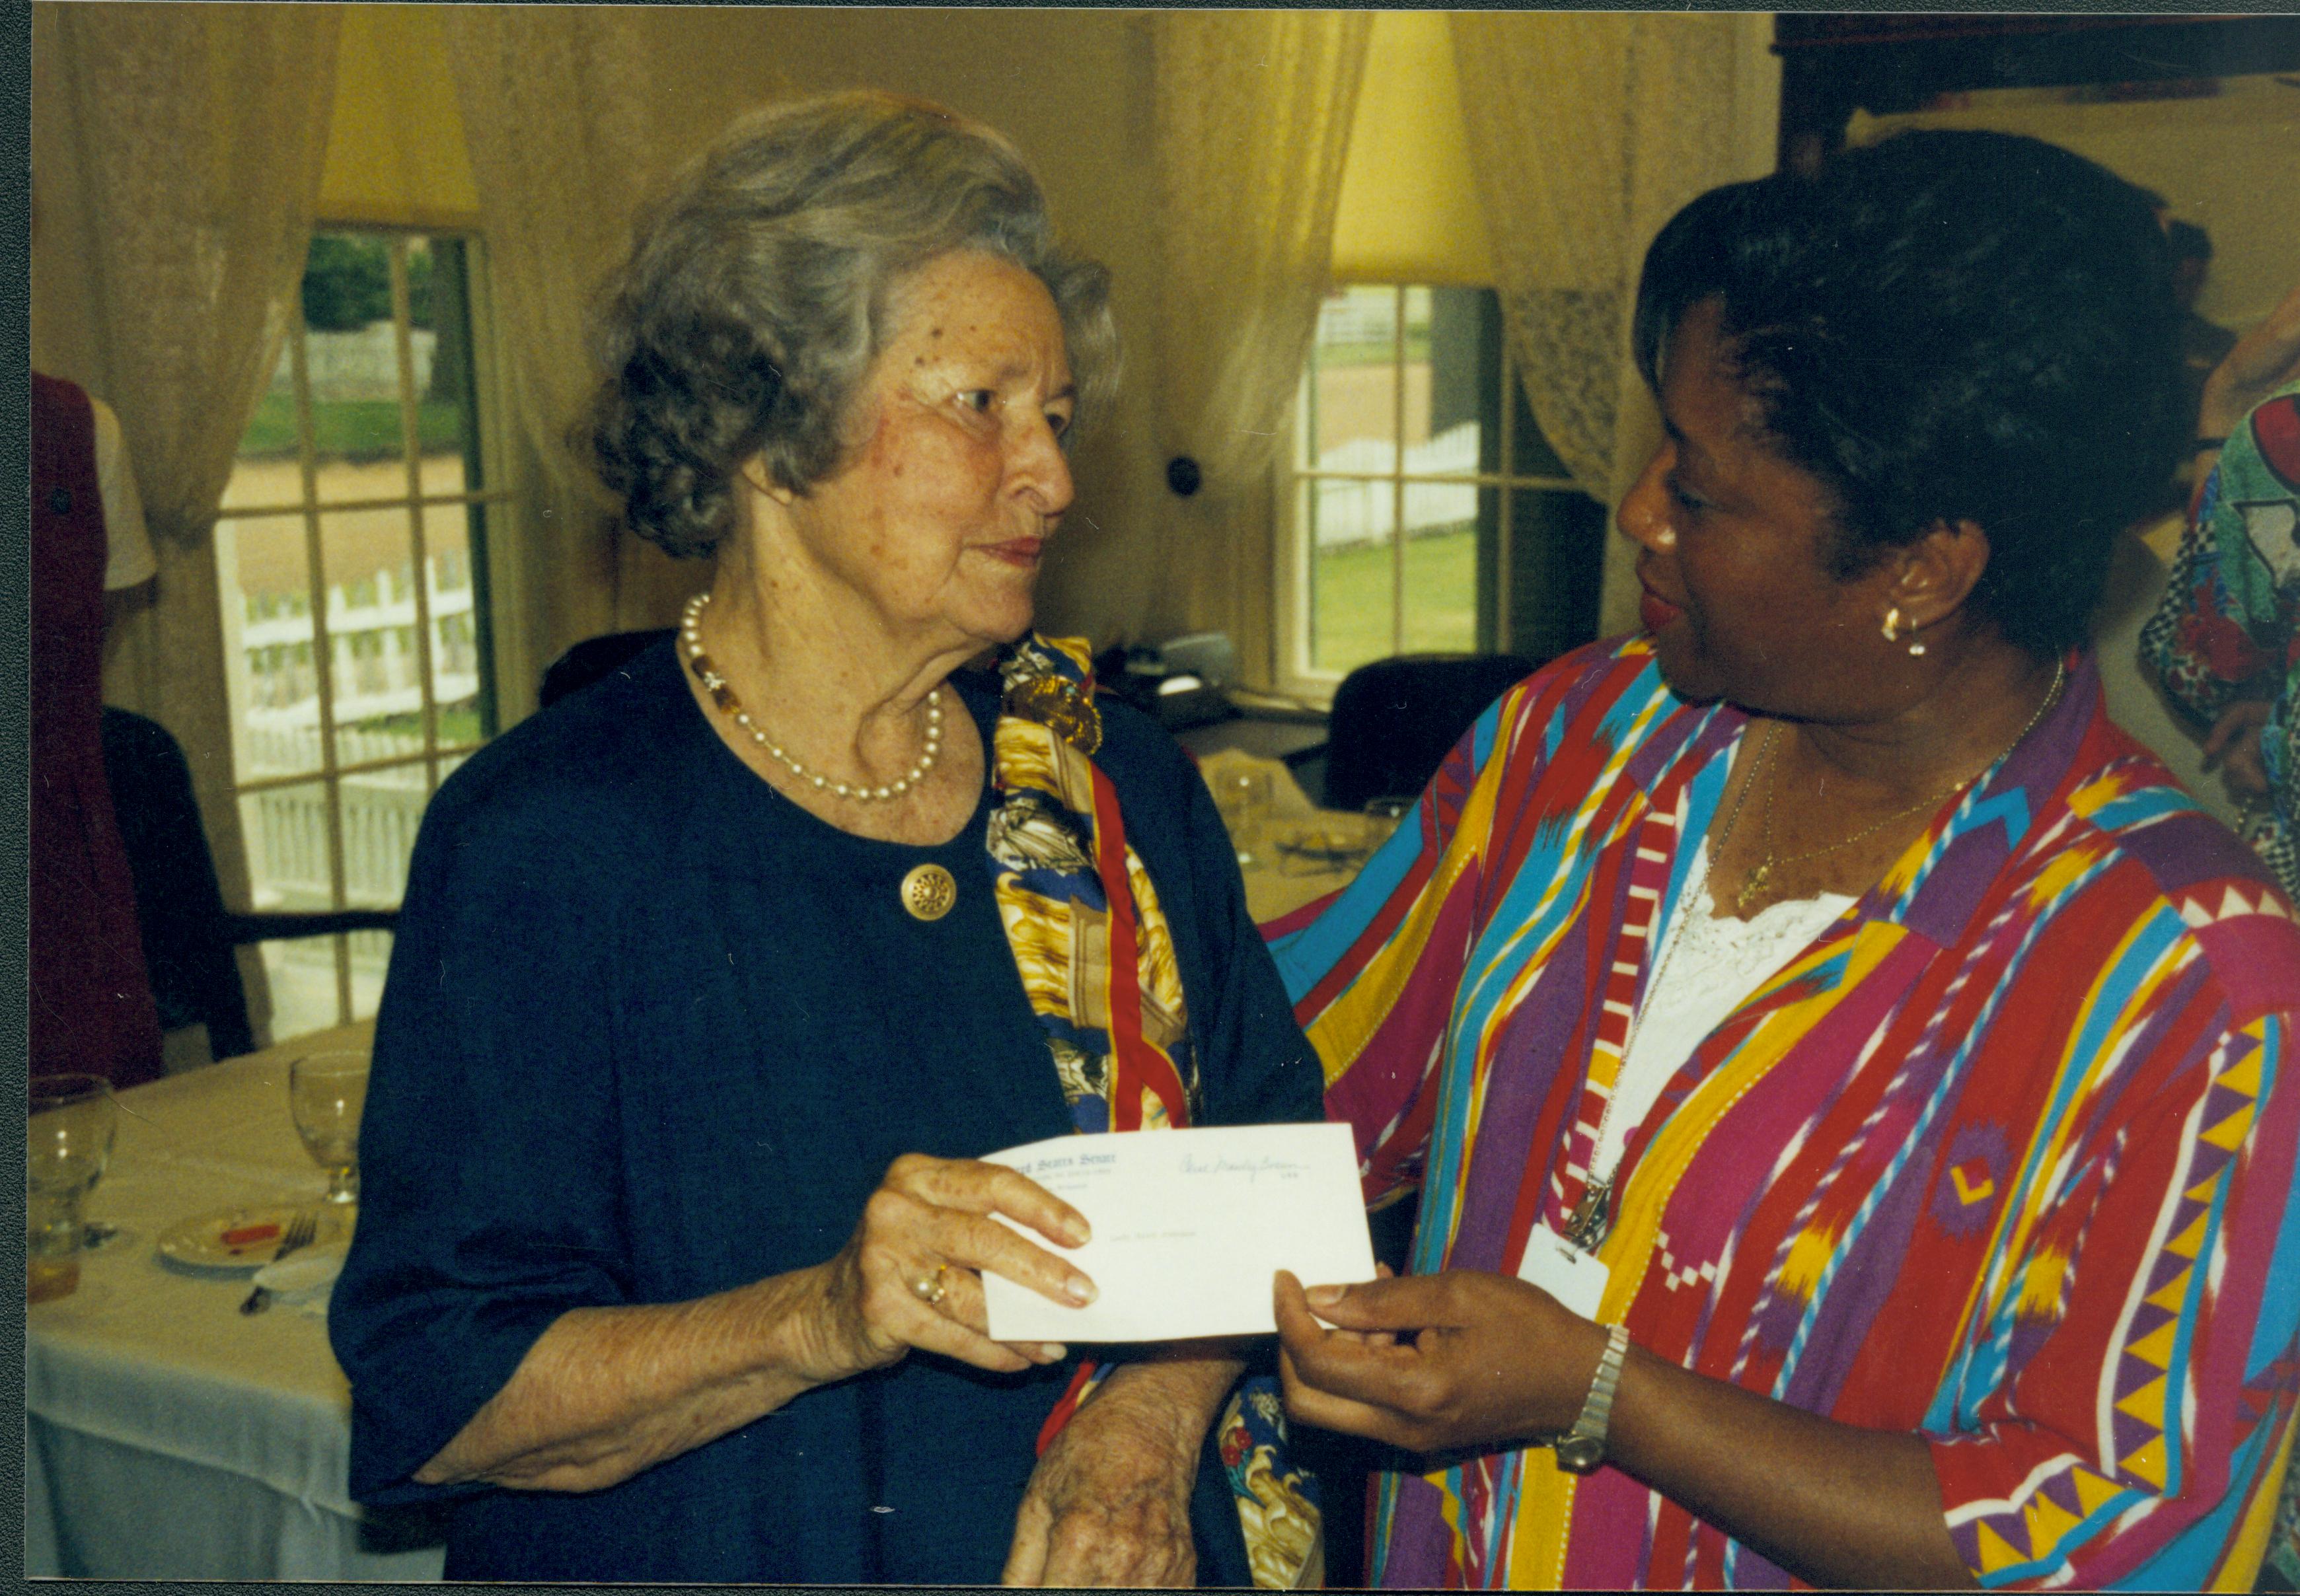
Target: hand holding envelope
pixel 1189 1227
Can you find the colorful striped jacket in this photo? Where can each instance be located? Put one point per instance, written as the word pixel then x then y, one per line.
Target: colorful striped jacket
pixel 2000 1157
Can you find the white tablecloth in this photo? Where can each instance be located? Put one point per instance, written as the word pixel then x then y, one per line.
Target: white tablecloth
pixel 169 1436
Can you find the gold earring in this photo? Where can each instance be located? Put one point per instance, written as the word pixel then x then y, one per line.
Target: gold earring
pixel 1893 624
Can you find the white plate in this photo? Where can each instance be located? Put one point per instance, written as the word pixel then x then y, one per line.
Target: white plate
pixel 232 1241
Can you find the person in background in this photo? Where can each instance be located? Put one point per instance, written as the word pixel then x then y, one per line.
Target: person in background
pixel 91 1004
pixel 1842 1070
pixel 2225 641
pixel 715 981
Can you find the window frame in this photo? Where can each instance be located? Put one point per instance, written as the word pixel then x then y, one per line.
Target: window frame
pixel 1297 675
pixel 484 488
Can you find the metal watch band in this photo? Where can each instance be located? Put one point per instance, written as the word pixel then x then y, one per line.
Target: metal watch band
pixel 1582 1449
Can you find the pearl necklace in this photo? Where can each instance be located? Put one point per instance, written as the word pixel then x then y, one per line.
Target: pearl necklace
pixel 690 637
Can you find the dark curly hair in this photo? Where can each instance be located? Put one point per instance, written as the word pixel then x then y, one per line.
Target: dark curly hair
pixel 1944 327
pixel 755 293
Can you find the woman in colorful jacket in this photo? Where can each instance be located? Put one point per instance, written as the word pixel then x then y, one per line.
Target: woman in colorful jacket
pixel 1840 1068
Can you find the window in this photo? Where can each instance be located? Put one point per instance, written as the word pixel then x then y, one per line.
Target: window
pixel 351 561
pixel 1425 511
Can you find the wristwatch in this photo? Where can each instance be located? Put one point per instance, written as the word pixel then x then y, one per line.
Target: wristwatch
pixel 1581 1449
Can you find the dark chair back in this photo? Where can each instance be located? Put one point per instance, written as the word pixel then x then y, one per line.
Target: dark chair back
pixel 592 659
pixel 178 906
pixel 187 934
pixel 1391 721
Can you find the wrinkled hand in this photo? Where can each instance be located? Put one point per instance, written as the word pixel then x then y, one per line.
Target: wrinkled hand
pixel 2263 360
pixel 1462 1360
pixel 1110 1503
pixel 2234 745
pixel 929 1225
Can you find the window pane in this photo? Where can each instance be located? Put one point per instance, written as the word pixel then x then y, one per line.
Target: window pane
pixel 265 579
pixel 455 625
pixel 1441 567
pixel 352 360
pixel 367 566
pixel 1452 369
pixel 302 975
pixel 266 471
pixel 371 956
pixel 439 308
pixel 1353 423
pixel 286 837
pixel 1351 593
pixel 381 809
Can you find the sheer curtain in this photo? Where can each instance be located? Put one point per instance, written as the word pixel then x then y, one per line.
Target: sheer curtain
pixel 556 107
pixel 1587 132
pixel 1252 121
pixel 188 147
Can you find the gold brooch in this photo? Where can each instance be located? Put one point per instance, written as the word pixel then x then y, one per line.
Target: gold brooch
pixel 928 892
pixel 1058 705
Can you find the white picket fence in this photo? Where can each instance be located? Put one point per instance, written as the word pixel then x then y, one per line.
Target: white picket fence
pixel 287 839
pixel 1346 513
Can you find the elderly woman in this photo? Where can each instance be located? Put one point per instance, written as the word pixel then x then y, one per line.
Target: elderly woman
pixel 714 981
pixel 1841 1070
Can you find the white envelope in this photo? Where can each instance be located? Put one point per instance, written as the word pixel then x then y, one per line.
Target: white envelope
pixel 1188 1228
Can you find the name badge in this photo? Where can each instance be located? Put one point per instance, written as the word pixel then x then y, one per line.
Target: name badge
pixel 1574 1278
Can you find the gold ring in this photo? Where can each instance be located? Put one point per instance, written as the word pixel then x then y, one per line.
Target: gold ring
pixel 931 1290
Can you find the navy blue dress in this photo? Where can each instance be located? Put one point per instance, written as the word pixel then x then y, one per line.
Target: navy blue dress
pixel 653 1031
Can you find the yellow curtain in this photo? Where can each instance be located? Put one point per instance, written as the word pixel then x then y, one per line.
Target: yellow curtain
pixel 1252 123
pixel 186 148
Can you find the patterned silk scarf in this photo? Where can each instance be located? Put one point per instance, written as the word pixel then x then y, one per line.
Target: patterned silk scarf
pixel 1098 963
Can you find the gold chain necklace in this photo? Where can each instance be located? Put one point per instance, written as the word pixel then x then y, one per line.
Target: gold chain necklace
pixel 1754 884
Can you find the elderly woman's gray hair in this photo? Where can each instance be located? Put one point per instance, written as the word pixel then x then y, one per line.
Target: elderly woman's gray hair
pixel 755 296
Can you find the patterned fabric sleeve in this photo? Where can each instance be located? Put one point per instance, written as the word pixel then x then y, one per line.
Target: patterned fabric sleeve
pixel 2229 624
pixel 1372 970
pixel 2119 1412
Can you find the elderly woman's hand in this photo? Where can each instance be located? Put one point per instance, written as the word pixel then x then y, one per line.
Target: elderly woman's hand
pixel 1436 1363
pixel 911 1276
pixel 1110 1501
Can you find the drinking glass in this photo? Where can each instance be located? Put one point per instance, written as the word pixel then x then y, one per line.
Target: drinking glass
pixel 326 1093
pixel 1242 799
pixel 70 1125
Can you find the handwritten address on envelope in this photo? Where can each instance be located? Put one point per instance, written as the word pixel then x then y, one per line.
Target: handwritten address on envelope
pixel 1188 1228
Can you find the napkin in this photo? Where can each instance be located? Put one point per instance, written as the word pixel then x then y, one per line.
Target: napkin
pixel 304 1278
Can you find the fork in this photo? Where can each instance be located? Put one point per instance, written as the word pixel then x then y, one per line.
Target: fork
pixel 300 1232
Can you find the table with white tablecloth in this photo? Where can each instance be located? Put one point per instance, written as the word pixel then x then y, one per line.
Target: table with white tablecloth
pixel 169 1436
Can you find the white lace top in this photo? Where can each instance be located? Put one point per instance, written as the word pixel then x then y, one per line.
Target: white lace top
pixel 1710 964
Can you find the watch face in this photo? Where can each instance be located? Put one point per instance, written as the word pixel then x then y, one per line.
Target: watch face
pixel 1580 1454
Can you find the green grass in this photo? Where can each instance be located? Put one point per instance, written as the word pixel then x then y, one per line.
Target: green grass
pixel 1350 599
pixel 347 428
pixel 459 724
pixel 1378 353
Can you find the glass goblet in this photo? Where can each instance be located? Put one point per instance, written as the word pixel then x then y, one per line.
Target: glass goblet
pixel 1242 799
pixel 70 1125
pixel 325 1094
